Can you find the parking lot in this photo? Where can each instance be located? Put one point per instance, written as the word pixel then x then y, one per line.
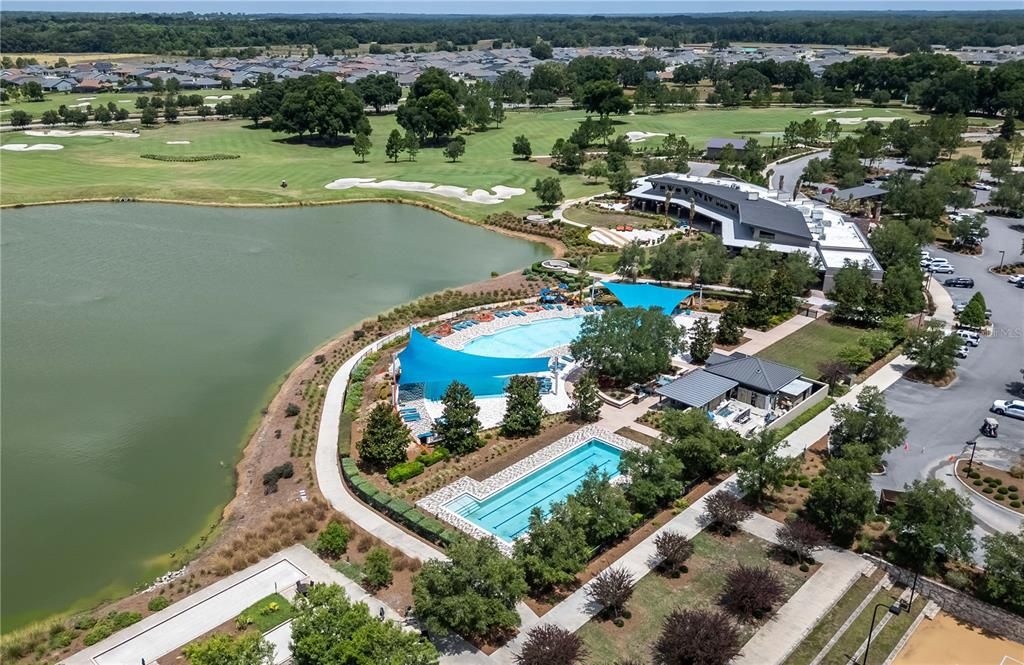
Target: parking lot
pixel 940 421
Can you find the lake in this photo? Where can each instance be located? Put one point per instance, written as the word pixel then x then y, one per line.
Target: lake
pixel 141 340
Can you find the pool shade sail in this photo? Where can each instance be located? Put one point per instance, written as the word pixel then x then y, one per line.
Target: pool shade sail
pixel 648 295
pixel 426 361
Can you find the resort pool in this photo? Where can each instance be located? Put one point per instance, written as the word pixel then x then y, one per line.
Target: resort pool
pixel 526 340
pixel 506 513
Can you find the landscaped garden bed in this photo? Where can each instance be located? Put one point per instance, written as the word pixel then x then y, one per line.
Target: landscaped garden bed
pixel 994 484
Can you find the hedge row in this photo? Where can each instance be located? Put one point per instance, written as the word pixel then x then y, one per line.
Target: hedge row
pixel 429 459
pixel 189 158
pixel 402 512
pixel 405 471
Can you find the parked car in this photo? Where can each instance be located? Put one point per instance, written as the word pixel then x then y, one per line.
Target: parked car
pixel 941 268
pixel 969 337
pixel 1008 407
pixel 982 187
pixel 1015 279
pixel 1020 284
pixel 960 282
pixel 962 351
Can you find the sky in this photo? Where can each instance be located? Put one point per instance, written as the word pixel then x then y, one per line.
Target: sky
pixel 583 7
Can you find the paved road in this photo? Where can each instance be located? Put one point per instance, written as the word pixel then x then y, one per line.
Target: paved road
pixel 940 421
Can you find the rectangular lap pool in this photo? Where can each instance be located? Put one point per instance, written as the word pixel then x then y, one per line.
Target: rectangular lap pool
pixel 506 513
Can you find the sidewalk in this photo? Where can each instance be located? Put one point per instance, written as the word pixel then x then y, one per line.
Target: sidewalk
pixel 762 340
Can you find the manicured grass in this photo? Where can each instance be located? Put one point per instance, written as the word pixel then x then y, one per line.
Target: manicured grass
pixel 591 217
pixel 350 570
pixel 814 343
pixel 263 618
pixel 831 622
pixel 111 167
pixel 858 630
pixel 884 641
pixel 53 100
pixel 805 417
pixel 604 262
pixel 656 596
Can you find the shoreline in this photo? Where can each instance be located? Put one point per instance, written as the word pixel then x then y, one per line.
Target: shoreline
pixel 223 521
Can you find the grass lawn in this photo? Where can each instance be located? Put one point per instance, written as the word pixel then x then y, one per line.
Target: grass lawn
pixel 858 630
pixel 111 167
pixel 591 217
pixel 812 344
pixel 53 101
pixel 656 596
pixel 831 622
pixel 604 262
pixel 263 618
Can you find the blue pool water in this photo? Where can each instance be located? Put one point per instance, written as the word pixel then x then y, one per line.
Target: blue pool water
pixel 527 340
pixel 506 514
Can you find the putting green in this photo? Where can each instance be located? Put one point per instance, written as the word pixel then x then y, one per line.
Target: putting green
pixel 95 167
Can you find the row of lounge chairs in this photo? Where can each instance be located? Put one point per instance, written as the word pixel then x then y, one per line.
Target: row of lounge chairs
pixel 409 415
pixel 558 307
pixel 593 308
pixel 462 325
pixel 517 312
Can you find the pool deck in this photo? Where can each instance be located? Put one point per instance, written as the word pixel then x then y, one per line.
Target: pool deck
pixel 460 338
pixel 437 502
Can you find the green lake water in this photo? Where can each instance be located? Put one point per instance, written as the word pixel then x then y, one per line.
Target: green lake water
pixel 138 343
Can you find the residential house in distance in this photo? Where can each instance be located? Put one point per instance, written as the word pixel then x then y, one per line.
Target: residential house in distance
pixel 713 149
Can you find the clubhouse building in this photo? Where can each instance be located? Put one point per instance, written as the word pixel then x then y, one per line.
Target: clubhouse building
pixel 746 215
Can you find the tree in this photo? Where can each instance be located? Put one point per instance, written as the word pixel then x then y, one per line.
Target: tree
pixel 394 147
pixel 456 148
pixel 20 119
pixel 697 637
pixel 149 116
pixel 929 515
pixel 973 314
pixel 361 146
pixel 567 156
pixel 411 145
pixel 459 427
pixel 856 296
pixel 611 589
pixel 586 403
pixel 800 539
pixel 600 509
pixel 760 468
pixel 702 340
pixel 436 114
pixel 333 540
pixel 901 289
pixel 674 548
pixel 869 424
pixel 541 50
pixel 473 594
pixel 222 649
pixel 628 345
pixel 654 478
pixel 511 86
pixel 621 181
pixel 385 439
pixel 171 113
pixel 521 147
pixel 1008 128
pixel 378 90
pixel 435 79
pixel 1003 581
pixel 932 350
pixel 548 190
pixel 377 568
pixel 328 628
pixel 750 592
pixel 968 230
pixel 725 511
pixel 842 498
pixel 49 118
pixel 604 98
pixel 696 442
pixel 730 325
pixel 523 411
pixel 555 551
pixel 631 260
pixel 548 644
pixel 880 97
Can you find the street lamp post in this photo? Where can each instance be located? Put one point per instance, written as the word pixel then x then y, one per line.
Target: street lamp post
pixel 974 447
pixel 894 609
pixel 1002 255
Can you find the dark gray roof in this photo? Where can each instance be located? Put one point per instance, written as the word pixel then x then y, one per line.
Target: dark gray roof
pixel 853 193
pixel 758 212
pixel 738 144
pixel 697 388
pixel 762 375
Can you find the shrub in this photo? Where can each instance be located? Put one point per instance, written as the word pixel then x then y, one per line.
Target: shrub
pixel 429 459
pixel 674 548
pixel 549 644
pixel 271 477
pixel 704 637
pixel 999 497
pixel 291 410
pixel 1012 488
pixel 157 603
pixel 109 625
pixel 189 158
pixel 804 568
pixel 405 471
pixel 958 580
pixel 750 592
pixel 978 483
pixel 987 490
pixel 85 623
pixel 975 475
pixel 333 540
pixel 377 568
pixel 1015 504
pixel 1002 490
pixel 725 511
pixel 611 589
pixel 800 538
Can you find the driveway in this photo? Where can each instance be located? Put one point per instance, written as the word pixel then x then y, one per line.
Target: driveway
pixel 941 420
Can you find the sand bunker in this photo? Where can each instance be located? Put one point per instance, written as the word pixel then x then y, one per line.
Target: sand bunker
pixel 123 101
pixel 824 111
pixel 63 133
pixel 80 106
pixel 637 137
pixel 857 121
pixel 500 192
pixel 179 142
pixel 84 99
pixel 24 147
pixel 216 97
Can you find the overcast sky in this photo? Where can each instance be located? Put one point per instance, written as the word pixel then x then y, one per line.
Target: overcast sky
pixel 586 7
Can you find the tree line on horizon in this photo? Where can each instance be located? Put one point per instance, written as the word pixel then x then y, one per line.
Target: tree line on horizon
pixel 197 34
